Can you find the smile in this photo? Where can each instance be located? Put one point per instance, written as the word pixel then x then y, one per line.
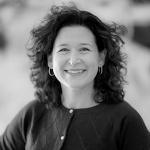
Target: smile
pixel 75 71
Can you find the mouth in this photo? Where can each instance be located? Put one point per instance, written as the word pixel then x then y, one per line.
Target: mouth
pixel 75 71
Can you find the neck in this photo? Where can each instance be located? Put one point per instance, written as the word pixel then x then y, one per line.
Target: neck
pixel 78 98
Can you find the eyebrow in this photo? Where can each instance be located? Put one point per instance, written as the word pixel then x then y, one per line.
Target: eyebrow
pixel 80 44
pixel 85 44
pixel 63 45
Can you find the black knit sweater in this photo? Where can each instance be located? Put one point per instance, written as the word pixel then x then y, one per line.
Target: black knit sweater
pixel 106 127
pixel 102 127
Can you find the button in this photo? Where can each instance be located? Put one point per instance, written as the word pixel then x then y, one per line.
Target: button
pixel 62 137
pixel 71 111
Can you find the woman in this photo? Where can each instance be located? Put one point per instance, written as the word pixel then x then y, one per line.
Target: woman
pixel 78 74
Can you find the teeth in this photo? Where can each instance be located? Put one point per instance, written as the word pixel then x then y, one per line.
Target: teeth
pixel 75 71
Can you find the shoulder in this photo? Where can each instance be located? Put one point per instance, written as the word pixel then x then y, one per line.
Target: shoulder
pixel 124 109
pixel 19 127
pixel 124 114
pixel 131 126
pixel 30 113
pixel 128 117
pixel 33 106
pixel 126 124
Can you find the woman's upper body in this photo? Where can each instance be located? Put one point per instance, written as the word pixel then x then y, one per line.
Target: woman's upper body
pixel 105 127
pixel 78 64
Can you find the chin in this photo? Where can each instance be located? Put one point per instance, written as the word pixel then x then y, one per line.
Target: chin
pixel 79 84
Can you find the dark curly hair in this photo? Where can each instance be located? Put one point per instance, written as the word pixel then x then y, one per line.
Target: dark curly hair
pixel 108 85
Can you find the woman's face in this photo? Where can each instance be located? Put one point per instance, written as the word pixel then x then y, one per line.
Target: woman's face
pixel 75 58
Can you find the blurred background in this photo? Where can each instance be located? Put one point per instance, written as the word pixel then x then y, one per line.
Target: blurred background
pixel 18 17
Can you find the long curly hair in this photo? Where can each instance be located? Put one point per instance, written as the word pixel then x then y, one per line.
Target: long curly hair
pixel 108 86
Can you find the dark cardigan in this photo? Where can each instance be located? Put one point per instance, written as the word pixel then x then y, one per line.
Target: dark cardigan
pixel 102 127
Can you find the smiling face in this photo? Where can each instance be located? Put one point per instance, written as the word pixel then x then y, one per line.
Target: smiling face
pixel 75 58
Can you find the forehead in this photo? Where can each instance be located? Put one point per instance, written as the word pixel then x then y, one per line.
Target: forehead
pixel 76 34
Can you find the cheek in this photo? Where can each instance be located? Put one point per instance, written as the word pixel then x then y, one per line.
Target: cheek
pixel 94 64
pixel 58 63
pixel 94 68
pixel 93 61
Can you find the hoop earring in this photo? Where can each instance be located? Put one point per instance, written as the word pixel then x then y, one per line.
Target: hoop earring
pixel 100 70
pixel 51 73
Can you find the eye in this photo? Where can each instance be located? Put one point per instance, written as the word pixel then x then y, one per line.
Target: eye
pixel 84 49
pixel 63 50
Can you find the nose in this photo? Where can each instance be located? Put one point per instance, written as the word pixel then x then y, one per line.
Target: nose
pixel 74 58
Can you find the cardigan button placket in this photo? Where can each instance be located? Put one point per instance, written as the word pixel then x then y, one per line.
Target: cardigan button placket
pixel 71 111
pixel 62 137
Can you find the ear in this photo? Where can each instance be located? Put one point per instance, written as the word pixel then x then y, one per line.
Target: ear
pixel 102 56
pixel 50 61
